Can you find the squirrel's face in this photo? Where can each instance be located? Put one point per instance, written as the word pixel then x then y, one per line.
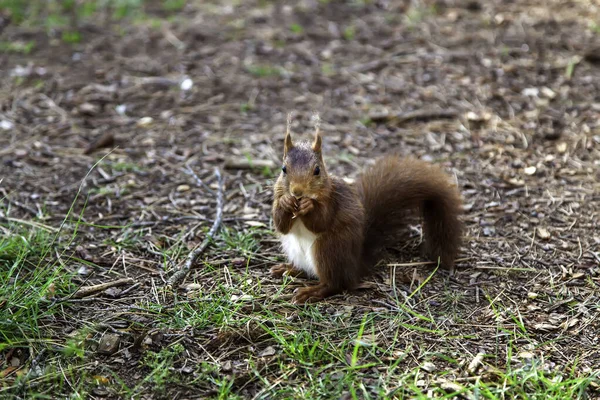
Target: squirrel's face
pixel 303 172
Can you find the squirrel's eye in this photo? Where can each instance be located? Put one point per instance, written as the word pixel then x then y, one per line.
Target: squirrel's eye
pixel 317 170
pixel 284 169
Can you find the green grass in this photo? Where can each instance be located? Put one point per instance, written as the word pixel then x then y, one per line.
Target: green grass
pixel 71 37
pixel 68 15
pixel 318 351
pixel 26 285
pixel 296 29
pixel 17 47
pixel 262 71
pixel 349 32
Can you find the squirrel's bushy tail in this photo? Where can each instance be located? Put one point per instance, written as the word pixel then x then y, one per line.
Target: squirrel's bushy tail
pixel 393 185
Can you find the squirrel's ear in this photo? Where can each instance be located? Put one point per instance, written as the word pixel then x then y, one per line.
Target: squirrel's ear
pixel 317 143
pixel 316 146
pixel 287 146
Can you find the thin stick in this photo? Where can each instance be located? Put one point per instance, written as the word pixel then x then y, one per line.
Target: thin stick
pixel 183 270
pixel 199 181
pixel 31 223
pixel 506 268
pixel 415 264
pixel 90 290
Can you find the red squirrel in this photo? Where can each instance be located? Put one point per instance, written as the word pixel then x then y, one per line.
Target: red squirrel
pixel 334 231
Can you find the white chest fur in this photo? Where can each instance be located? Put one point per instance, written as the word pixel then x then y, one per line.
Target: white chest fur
pixel 298 244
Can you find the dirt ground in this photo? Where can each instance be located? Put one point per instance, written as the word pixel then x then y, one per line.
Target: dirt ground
pixel 504 94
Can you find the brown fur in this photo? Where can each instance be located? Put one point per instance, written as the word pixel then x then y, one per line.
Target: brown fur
pixel 394 185
pixel 354 223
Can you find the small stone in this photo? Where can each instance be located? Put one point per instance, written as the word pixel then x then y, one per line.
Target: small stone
pixel 120 109
pixel 6 125
pixel 561 147
pixel 20 153
pixel 549 93
pixel 109 344
pixel 532 92
pixel 88 109
pixel 145 121
pixel 543 233
pixel 186 84
pixel 428 366
pixel 530 170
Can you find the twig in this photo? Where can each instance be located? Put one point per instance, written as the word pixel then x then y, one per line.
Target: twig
pixel 89 290
pixel 199 181
pixel 181 272
pixel 129 289
pixel 31 223
pixel 415 264
pixel 519 269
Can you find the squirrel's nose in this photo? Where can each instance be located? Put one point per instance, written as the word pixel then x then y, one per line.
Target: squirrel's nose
pixel 297 193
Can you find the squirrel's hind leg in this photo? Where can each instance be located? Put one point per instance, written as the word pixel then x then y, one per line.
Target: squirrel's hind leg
pixel 286 269
pixel 312 294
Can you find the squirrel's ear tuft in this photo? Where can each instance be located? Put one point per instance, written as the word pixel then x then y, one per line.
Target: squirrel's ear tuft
pixel 316 146
pixel 317 143
pixel 288 145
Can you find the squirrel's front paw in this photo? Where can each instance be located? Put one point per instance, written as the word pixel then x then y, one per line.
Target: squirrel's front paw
pixel 280 270
pixel 306 205
pixel 288 203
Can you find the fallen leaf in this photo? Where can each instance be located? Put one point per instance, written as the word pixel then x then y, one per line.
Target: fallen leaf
pixel 475 363
pixel 244 297
pixel 269 351
pixel 525 355
pixel 545 327
pixel 451 386
pixel 569 324
pixel 7 371
pixel 101 380
pixel 192 286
